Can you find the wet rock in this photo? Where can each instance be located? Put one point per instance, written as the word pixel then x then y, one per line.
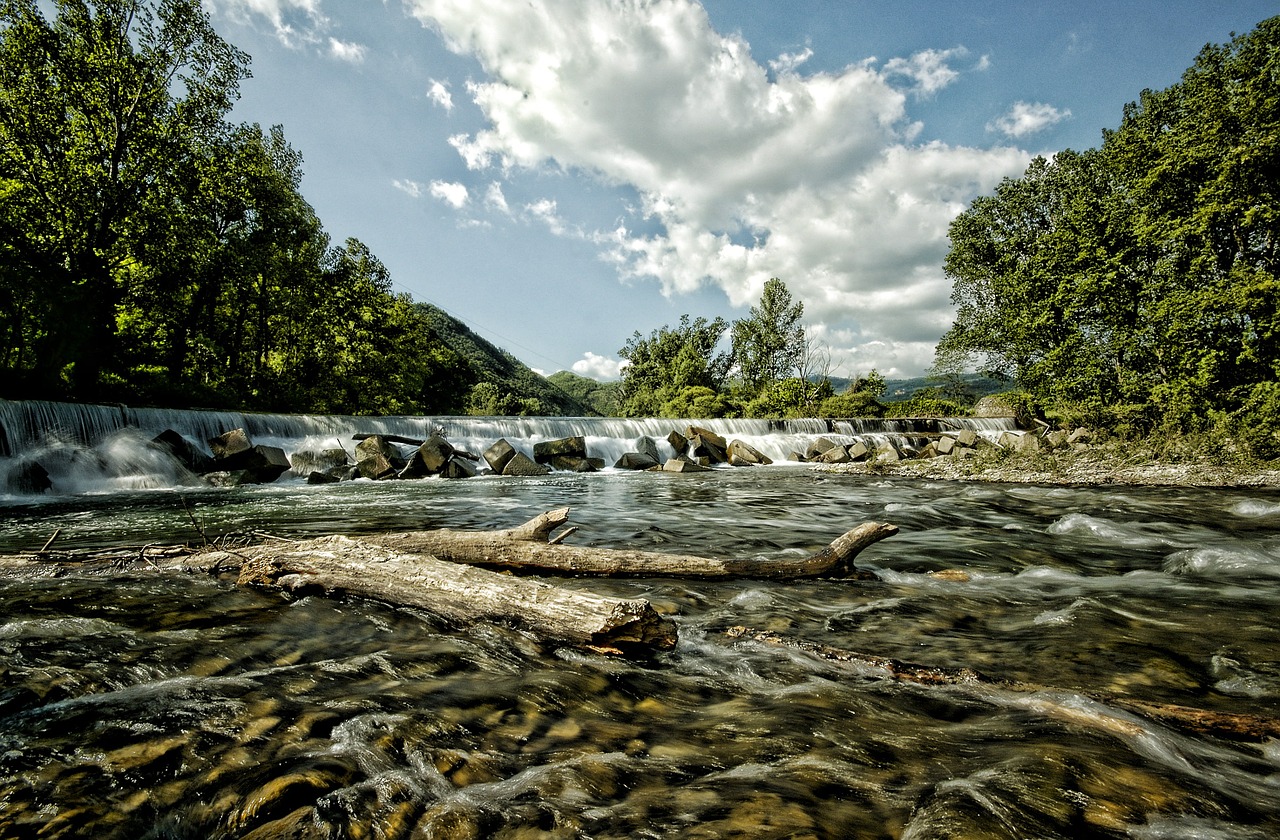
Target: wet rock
pixel 835 455
pixel 570 447
pixel 818 447
pixel 229 444
pixel 573 463
pixel 376 466
pixel 645 445
pixel 858 451
pixel 944 445
pixel 887 454
pixel 229 478
pixel 435 453
pixel 459 468
pixel 184 451
pixel 678 442
pixel 499 455
pixel 746 453
pixel 322 478
pixel 635 461
pixel 682 465
pixel 30 477
pixel 307 461
pixel 521 464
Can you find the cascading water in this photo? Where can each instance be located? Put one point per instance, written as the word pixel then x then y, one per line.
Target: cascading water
pixel 170 705
pixel 98 448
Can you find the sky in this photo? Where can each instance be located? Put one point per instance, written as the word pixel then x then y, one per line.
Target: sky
pixel 560 174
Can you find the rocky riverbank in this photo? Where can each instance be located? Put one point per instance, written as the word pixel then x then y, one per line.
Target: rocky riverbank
pixel 1111 463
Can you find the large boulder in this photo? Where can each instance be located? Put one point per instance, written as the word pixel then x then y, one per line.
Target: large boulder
pixel 435 452
pixel 635 461
pixel 740 452
pixel 678 442
pixel 682 465
pixel 708 447
pixel 521 464
pixel 645 445
pixel 184 451
pixel 818 447
pixel 459 468
pixel 29 477
pixel 707 436
pixel 229 444
pixel 499 455
pixel 572 463
pixel 571 447
pixel 327 461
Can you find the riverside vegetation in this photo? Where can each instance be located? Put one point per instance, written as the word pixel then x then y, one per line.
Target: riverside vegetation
pixel 158 254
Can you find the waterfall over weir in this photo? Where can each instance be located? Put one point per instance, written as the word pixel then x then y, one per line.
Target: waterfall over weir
pixel 99 448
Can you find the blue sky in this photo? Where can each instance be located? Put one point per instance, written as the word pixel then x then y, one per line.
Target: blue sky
pixel 562 173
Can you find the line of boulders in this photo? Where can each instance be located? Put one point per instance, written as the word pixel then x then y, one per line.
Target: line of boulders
pixel 695 449
pixel 964 443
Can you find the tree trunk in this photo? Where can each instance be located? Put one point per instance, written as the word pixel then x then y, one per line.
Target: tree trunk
pixel 527 549
pixel 459 594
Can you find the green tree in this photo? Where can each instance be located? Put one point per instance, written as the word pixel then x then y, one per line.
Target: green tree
pixel 769 345
pixel 101 110
pixel 669 360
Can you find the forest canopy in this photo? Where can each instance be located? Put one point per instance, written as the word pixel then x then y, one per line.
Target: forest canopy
pixel 154 251
pixel 1134 286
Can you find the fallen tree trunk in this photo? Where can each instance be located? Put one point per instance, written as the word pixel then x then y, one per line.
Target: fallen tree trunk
pixel 457 593
pixel 530 548
pixel 1234 727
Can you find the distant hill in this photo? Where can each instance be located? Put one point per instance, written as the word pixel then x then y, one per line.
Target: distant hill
pixel 493 364
pixel 600 397
pixel 901 390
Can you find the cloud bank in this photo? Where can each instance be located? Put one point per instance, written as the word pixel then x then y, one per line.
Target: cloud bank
pixel 745 171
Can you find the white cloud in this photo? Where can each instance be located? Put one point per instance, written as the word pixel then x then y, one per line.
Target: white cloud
pixel 494 199
pixel 790 62
pixel 599 367
pixel 928 70
pixel 451 193
pixel 439 94
pixel 413 189
pixel 1026 118
pixel 345 51
pixel 296 23
pixel 815 179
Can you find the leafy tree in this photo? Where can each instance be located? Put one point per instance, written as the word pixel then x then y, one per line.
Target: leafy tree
pixel 669 360
pixel 770 344
pixel 1137 283
pixel 101 110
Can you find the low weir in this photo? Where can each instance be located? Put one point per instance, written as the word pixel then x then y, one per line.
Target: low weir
pixel 88 448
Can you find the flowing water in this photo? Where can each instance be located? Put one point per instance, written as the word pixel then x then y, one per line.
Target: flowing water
pixel 166 705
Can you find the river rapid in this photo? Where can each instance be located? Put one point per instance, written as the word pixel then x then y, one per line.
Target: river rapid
pixel 163 705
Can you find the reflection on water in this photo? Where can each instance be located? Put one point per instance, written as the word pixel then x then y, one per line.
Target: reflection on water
pixel 173 707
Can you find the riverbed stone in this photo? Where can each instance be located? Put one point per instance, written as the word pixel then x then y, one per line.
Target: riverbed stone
pixel 571 447
pixel 944 445
pixel 646 445
pixel 229 444
pixel 747 453
pixel 30 477
pixel 521 464
pixel 709 448
pixel 459 468
pixel 185 451
pixel 376 466
pixel 678 442
pixel 818 447
pixel 499 455
pixel 707 436
pixel 835 455
pixel 635 461
pixel 682 465
pixel 435 452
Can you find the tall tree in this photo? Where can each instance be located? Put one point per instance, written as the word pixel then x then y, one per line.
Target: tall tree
pixel 100 110
pixel 670 360
pixel 769 345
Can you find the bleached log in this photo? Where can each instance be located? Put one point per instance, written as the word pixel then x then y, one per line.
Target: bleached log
pixel 527 549
pixel 460 594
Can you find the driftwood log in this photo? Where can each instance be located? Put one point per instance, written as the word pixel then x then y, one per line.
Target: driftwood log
pixel 531 548
pixel 1233 727
pixel 457 593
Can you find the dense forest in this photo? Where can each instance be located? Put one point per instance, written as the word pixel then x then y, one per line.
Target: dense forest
pixel 1134 286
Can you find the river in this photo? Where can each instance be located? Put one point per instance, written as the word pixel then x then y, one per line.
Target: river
pixel 175 706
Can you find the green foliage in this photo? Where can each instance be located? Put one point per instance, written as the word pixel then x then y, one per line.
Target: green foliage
pixel 154 252
pixel 671 359
pixel 488 400
pixel 601 398
pixel 852 403
pixel 926 403
pixel 769 344
pixel 1137 283
pixel 698 401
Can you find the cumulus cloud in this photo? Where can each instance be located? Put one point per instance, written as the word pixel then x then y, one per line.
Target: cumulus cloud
pixel 495 200
pixel 743 174
pixel 598 367
pixel 547 212
pixel 439 94
pixel 451 193
pixel 1026 118
pixel 296 24
pixel 413 189
pixel 346 51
